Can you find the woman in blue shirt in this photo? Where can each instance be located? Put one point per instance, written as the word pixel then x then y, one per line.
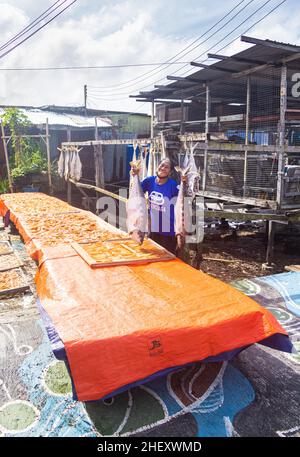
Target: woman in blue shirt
pixel 162 194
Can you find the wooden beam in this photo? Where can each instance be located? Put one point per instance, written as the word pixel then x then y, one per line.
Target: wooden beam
pixel 178 78
pixel 236 59
pixel 271 44
pixel 164 88
pixel 251 70
pixel 212 67
pixel 281 133
pixel 6 159
pixel 48 158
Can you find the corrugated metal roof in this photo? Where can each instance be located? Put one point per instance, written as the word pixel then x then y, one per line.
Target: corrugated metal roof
pixel 38 117
pixel 261 54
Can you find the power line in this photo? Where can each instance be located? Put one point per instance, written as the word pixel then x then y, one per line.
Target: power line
pixel 205 33
pixel 245 31
pixel 213 46
pixel 222 39
pixel 32 24
pixel 33 33
pixel 204 53
pixel 87 67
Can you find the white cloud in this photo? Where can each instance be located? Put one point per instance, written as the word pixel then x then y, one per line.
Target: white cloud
pixel 114 33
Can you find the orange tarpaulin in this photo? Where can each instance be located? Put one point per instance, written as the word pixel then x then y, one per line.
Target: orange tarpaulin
pixel 110 318
pixel 121 324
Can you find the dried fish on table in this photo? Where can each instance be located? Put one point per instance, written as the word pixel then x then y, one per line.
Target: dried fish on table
pixel 37 202
pixel 5 248
pixel 12 281
pixel 4 236
pixel 68 228
pixel 121 252
pixel 9 262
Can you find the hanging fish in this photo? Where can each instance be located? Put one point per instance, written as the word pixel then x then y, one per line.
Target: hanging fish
pixel 145 163
pixel 72 164
pixel 77 167
pixel 141 160
pixel 67 164
pixel 137 213
pixel 150 162
pixel 60 164
pixel 183 207
pixel 155 160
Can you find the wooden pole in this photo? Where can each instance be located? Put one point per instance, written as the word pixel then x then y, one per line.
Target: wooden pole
pixel 207 114
pixel 99 169
pixel 247 135
pixel 182 126
pixel 96 129
pixel 271 237
pixel 152 120
pixel 6 159
pixel 85 98
pixel 281 132
pixel 69 185
pixel 48 157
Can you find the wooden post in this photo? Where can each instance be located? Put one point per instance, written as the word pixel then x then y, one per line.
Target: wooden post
pixel 152 120
pixel 98 160
pixel 281 133
pixel 99 169
pixel 85 98
pixel 163 146
pixel 69 185
pixel 207 114
pixel 247 135
pixel 48 157
pixel 6 159
pixel 182 127
pixel 96 130
pixel 271 237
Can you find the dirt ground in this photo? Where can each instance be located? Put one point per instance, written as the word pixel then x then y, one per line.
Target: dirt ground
pixel 237 255
pixel 240 252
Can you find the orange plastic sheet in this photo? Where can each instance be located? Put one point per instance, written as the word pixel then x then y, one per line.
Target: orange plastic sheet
pixel 121 324
pixel 44 221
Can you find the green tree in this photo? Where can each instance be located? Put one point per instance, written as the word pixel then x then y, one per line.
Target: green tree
pixel 27 156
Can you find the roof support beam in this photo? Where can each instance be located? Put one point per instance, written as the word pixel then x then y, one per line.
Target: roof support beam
pixel 212 67
pixel 166 88
pixel 271 44
pixel 187 79
pixel 237 59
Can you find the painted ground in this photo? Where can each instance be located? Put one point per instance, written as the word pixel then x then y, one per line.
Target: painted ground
pixel 256 394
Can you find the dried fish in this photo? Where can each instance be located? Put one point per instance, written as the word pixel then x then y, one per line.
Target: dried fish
pixel 10 280
pixel 9 261
pixel 188 187
pixel 137 213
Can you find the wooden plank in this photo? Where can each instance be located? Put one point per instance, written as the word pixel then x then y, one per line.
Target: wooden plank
pixel 13 262
pixel 5 248
pixel 21 288
pixel 271 44
pixel 139 259
pixel 292 268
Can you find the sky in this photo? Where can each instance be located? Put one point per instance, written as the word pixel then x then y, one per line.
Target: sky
pixel 119 32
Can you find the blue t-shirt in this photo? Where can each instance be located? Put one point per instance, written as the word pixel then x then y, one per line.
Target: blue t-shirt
pixel 162 198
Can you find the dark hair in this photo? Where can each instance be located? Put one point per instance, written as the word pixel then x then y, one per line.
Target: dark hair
pixel 166 159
